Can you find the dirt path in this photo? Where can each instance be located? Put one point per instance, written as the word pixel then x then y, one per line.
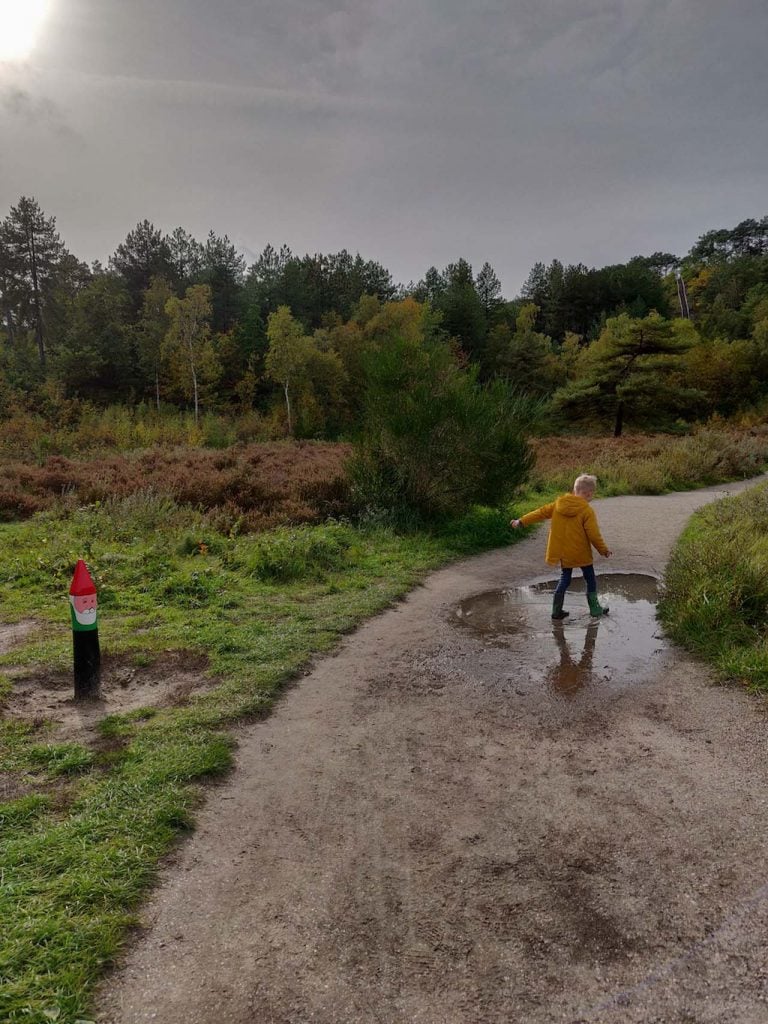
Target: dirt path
pixel 430 829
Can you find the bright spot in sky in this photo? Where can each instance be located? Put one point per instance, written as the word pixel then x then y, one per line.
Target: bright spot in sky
pixel 20 22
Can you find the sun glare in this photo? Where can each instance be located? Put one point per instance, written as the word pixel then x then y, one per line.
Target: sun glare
pixel 20 22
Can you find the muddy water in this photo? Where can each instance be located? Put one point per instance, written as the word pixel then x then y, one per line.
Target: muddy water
pixel 517 643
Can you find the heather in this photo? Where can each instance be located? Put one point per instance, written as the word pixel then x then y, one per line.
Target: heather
pixel 244 487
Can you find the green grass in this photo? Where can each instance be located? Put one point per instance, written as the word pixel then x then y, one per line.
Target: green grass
pixel 715 599
pixel 258 606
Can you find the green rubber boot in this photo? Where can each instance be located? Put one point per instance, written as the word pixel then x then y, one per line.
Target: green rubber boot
pixel 557 607
pixel 595 608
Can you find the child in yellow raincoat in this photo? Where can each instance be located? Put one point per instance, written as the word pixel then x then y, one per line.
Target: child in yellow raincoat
pixel 572 535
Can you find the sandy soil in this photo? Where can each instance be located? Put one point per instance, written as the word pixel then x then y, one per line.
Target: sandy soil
pixel 427 831
pixel 46 697
pixel 13 633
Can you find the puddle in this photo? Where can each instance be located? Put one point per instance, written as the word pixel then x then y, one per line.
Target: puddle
pixel 572 653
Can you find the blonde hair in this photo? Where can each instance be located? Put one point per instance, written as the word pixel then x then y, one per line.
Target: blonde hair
pixel 585 484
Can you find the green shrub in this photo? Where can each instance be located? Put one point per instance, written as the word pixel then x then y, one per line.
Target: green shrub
pixel 134 515
pixel 480 529
pixel 434 440
pixel 217 432
pixel 201 543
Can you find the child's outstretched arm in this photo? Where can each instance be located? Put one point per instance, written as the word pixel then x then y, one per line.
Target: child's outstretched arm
pixel 538 514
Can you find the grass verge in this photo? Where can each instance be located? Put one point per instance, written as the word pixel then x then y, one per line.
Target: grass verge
pixel 259 606
pixel 715 600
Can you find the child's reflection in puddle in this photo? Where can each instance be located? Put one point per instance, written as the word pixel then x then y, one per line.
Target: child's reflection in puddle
pixel 570 675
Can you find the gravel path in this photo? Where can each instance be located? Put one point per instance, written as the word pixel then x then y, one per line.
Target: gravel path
pixel 425 832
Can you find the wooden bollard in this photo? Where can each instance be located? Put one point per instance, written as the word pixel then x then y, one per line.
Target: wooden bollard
pixel 85 633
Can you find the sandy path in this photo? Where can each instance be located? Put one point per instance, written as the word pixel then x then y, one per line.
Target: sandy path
pixel 409 838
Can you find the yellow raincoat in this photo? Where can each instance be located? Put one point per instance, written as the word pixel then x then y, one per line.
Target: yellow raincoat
pixel 573 533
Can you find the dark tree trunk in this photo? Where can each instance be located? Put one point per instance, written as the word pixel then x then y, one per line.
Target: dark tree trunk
pixel 36 297
pixel 617 427
pixel 9 325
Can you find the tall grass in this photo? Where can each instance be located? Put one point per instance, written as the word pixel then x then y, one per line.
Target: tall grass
pixel 650 464
pixel 73 428
pixel 715 599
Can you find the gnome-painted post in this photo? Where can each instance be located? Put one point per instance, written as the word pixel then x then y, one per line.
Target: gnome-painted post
pixel 85 633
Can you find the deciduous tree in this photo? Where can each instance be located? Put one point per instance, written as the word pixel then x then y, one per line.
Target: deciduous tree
pixel 312 377
pixel 288 356
pixel 152 329
pixel 188 345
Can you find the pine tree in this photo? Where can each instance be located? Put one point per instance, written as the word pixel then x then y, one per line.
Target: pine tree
pixel 143 255
pixel 488 288
pixel 30 253
pixel 627 371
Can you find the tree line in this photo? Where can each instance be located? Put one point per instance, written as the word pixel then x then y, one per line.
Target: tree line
pixel 173 321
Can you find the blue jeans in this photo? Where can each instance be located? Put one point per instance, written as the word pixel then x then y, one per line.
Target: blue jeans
pixel 587 571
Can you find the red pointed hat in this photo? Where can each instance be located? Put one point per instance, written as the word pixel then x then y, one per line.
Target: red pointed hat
pixel 81 581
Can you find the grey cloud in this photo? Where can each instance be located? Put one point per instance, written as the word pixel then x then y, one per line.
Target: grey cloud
pixel 235 97
pixel 30 109
pixel 21 103
pixel 412 130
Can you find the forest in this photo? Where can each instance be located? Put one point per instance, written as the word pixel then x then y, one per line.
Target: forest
pixel 437 385
pixel 290 345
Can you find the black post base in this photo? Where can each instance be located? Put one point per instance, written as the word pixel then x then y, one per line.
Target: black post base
pixel 87 664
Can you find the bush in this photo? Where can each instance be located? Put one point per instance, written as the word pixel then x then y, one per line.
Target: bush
pixel 480 529
pixel 434 441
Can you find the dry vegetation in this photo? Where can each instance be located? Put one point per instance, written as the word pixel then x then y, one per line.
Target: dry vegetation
pixel 262 485
pixel 257 486
pixel 651 463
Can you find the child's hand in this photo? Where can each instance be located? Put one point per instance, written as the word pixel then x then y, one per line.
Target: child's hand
pixel 515 523
pixel 608 553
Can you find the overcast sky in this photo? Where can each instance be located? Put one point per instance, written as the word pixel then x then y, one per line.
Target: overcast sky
pixel 412 131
